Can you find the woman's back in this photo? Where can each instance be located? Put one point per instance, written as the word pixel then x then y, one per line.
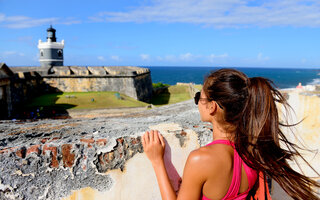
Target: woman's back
pixel 232 177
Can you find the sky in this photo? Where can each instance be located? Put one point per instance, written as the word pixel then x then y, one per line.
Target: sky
pixel 223 33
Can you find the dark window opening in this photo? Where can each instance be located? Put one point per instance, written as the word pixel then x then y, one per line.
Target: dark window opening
pixel 59 53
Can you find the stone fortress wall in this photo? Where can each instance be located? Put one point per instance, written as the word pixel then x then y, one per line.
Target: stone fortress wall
pixel 102 158
pixel 28 82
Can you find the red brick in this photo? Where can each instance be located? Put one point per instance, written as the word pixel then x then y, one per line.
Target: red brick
pixel 67 156
pixel 33 149
pixel 53 149
pixel 44 140
pixel 21 153
pixel 55 138
pixel 88 141
pixel 101 142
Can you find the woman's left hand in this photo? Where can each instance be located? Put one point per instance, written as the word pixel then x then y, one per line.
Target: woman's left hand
pixel 153 145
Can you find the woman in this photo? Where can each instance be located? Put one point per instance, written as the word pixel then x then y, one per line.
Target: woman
pixel 246 133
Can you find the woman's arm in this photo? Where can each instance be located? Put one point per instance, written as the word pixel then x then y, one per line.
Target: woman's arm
pixel 153 145
pixel 193 175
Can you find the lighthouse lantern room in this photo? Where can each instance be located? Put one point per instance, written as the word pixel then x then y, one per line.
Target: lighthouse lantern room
pixel 51 51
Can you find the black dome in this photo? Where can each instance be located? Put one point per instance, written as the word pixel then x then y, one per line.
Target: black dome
pixel 51 29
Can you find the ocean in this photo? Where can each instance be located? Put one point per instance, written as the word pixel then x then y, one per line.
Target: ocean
pixel 282 77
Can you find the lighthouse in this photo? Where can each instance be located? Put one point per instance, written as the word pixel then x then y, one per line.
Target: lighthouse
pixel 51 51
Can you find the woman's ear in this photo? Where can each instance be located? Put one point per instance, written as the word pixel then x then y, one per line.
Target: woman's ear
pixel 212 107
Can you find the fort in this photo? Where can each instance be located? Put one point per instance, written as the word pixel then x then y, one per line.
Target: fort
pixel 20 84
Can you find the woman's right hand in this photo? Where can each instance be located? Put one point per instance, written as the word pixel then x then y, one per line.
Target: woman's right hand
pixel 153 145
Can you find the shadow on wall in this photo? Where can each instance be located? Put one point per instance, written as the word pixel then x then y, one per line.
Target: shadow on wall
pixel 33 98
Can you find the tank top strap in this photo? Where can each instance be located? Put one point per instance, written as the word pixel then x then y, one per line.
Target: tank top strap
pixel 227 142
pixel 237 167
pixel 236 178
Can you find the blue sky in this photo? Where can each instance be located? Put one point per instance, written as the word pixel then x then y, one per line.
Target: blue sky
pixel 234 33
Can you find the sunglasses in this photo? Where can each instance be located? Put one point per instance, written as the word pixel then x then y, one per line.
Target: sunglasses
pixel 197 99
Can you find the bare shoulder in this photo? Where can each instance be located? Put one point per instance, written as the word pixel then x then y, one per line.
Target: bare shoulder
pixel 211 158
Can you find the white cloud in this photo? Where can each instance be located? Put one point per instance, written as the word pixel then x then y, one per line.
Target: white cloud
pixel 261 57
pixel 222 13
pixel 186 57
pixel 116 58
pixel 19 22
pixel 159 58
pixel 145 57
pixel 192 58
pixel 212 57
pixel 170 58
pixel 7 54
pixel 101 58
pixel 2 17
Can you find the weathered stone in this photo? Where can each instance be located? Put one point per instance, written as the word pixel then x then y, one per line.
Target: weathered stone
pixel 21 152
pixel 101 142
pixel 53 154
pixel 67 156
pixel 116 158
pixel 80 71
pixel 88 141
pixel 99 71
pixel 33 149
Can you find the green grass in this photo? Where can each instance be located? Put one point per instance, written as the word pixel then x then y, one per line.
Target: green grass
pixel 159 85
pixel 199 87
pixel 84 100
pixel 99 100
pixel 175 94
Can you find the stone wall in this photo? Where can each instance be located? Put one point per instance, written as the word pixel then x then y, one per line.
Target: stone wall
pixel 5 91
pixel 94 158
pixel 25 83
pixel 132 81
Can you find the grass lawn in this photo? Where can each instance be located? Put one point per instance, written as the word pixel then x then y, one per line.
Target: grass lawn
pixel 85 100
pixel 175 94
pixel 99 100
pixel 199 87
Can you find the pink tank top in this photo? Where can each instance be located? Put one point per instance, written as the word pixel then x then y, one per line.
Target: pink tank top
pixel 233 191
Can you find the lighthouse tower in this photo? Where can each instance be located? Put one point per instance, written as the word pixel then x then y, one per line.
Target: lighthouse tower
pixel 51 51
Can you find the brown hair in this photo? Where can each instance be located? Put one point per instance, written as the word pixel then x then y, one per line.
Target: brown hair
pixel 249 105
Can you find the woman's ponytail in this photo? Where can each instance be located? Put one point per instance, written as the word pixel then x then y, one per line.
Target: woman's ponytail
pixel 250 107
pixel 264 153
